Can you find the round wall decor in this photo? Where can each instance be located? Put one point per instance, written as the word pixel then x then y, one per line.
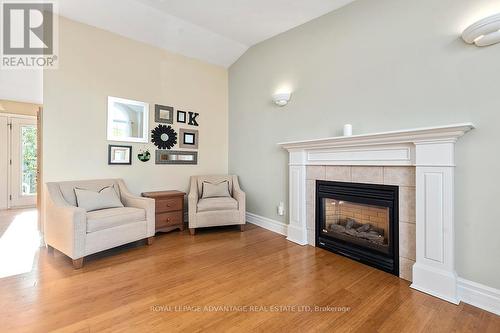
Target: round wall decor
pixel 144 156
pixel 164 137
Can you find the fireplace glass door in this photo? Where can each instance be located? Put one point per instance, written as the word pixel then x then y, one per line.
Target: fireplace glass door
pixel 364 225
pixel 359 221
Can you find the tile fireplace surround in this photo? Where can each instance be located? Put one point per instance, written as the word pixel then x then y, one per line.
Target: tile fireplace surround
pixel 402 176
pixel 420 161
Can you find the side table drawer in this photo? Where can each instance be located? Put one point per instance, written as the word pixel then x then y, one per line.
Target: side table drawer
pixel 168 205
pixel 168 219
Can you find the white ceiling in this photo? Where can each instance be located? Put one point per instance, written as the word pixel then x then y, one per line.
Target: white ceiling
pixel 247 21
pixel 134 19
pixel 216 31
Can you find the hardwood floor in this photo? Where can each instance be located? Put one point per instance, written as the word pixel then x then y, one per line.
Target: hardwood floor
pixel 130 289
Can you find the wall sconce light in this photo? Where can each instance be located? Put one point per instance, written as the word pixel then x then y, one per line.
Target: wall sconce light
pixel 281 99
pixel 484 32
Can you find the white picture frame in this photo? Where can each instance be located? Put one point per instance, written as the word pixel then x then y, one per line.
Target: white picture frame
pixel 128 120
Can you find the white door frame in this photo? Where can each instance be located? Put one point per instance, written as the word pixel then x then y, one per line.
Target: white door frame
pixel 4 161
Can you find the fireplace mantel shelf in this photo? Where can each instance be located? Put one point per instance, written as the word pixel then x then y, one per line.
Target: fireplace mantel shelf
pixel 426 134
pixel 431 151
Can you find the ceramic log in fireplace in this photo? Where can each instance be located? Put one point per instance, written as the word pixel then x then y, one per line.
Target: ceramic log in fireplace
pixel 359 221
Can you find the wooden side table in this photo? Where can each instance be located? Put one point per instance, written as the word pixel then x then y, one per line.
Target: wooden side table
pixel 169 209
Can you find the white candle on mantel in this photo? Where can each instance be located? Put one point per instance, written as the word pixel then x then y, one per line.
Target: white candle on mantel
pixel 347 130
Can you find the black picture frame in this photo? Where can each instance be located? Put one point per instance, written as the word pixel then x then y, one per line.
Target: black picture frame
pixel 181 116
pixel 189 139
pixel 112 161
pixel 160 112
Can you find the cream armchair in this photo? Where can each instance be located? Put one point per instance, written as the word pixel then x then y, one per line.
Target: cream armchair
pixel 78 233
pixel 215 211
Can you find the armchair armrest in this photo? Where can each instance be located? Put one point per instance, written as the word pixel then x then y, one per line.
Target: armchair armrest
pixel 192 202
pixel 65 225
pixel 193 190
pixel 148 204
pixel 239 196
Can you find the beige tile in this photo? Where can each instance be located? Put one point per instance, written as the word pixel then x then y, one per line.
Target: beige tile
pixel 401 176
pixel 406 269
pixel 315 172
pixel 370 174
pixel 310 191
pixel 310 203
pixel 407 240
pixel 338 173
pixel 407 204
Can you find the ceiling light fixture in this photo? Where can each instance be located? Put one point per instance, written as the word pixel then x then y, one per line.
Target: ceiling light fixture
pixel 484 32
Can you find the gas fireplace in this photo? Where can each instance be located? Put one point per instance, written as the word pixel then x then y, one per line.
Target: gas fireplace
pixel 359 221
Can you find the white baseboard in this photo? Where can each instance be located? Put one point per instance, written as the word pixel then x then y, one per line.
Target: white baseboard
pixel 469 292
pixel 479 295
pixel 297 235
pixel 436 282
pixel 266 223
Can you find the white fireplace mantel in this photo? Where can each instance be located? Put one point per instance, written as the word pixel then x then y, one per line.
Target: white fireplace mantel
pixel 431 151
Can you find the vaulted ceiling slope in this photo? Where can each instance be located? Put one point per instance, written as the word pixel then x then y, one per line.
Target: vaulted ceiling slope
pixel 215 31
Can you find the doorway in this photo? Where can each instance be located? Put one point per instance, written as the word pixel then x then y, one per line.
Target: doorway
pixel 20 154
pixel 20 159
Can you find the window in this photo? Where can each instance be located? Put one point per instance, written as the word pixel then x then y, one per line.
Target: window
pixel 28 160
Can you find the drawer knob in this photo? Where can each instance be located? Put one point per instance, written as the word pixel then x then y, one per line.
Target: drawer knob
pixel 168 219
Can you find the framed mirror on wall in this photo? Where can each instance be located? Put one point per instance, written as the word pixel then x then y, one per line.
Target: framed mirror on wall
pixel 128 120
pixel 119 155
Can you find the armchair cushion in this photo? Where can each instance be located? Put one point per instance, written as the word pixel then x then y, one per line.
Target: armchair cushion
pixel 215 204
pixel 213 180
pixel 215 190
pixel 113 217
pixel 95 200
pixel 67 189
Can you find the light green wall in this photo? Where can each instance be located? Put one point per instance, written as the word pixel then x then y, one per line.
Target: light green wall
pixel 379 65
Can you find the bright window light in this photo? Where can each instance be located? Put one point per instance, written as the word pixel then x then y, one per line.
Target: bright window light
pixel 19 245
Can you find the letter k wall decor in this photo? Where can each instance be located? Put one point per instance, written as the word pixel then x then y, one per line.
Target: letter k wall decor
pixel 192 118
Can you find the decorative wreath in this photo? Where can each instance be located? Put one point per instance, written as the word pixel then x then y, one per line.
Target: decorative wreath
pixel 164 137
